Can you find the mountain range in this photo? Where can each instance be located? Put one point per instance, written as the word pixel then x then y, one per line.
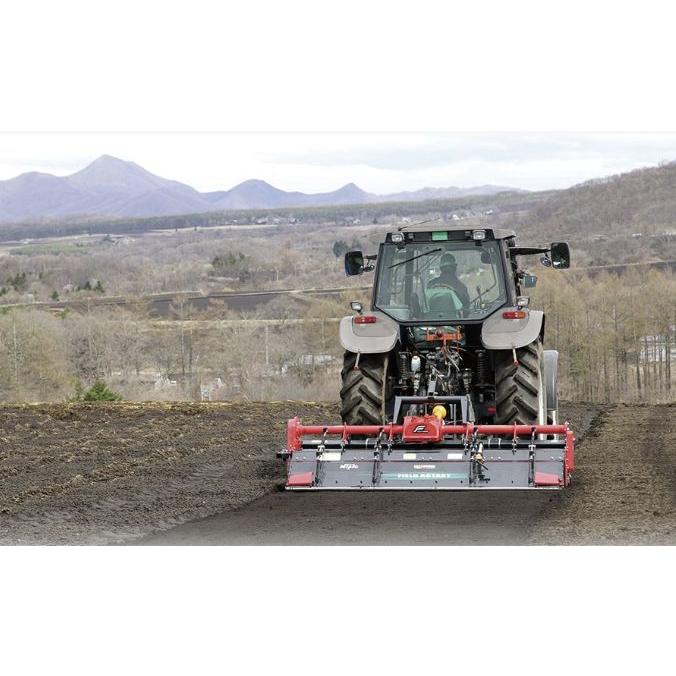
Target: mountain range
pixel 110 187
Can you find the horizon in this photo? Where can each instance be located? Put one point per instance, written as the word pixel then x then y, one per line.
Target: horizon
pixel 380 164
pixel 107 157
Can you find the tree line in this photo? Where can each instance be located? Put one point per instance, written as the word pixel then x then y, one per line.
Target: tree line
pixel 616 336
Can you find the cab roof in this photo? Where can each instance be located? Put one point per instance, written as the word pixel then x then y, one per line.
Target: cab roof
pixel 456 232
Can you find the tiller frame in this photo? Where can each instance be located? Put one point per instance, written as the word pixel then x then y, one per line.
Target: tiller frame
pixel 425 453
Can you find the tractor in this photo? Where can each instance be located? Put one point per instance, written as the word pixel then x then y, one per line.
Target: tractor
pixel 445 381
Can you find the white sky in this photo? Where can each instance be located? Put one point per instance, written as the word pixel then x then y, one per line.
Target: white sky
pixel 379 163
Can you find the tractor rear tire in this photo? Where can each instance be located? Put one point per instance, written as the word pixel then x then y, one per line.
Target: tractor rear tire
pixel 520 392
pixel 366 393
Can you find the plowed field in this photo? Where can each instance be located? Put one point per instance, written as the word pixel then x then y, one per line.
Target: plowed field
pixel 207 474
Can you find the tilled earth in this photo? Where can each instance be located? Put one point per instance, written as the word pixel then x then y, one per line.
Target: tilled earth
pixel 151 473
pixel 110 473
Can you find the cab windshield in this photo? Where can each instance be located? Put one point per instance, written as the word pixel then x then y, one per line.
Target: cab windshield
pixel 439 281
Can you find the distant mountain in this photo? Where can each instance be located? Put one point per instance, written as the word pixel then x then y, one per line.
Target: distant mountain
pixel 110 187
pixel 446 193
pixel 106 187
pixel 255 194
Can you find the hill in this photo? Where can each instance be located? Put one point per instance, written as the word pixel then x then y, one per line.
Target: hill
pixel 255 194
pixel 624 203
pixel 448 193
pixel 110 187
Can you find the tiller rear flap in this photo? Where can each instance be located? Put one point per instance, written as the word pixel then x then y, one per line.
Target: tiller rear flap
pixel 424 452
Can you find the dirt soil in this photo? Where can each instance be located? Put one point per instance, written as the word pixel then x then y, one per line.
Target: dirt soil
pixel 114 472
pixel 151 473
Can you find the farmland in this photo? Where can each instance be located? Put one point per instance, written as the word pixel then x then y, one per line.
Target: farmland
pixel 130 473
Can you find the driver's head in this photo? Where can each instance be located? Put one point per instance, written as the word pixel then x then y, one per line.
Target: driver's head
pixel 447 263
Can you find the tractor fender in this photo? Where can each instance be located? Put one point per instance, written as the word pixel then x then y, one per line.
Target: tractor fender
pixel 381 336
pixel 498 333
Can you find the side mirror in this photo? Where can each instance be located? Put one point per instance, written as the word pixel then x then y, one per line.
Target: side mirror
pixel 354 263
pixel 529 281
pixel 560 255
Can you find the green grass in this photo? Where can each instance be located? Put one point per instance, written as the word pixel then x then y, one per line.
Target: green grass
pixel 54 248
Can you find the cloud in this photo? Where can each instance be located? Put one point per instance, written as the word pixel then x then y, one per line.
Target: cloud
pixel 441 150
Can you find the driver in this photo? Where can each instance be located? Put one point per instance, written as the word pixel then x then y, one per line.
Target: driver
pixel 448 278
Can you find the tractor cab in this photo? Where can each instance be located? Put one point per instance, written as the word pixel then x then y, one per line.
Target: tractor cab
pixel 450 274
pixel 440 280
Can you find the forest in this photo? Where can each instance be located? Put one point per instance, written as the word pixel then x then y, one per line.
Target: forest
pixel 615 334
